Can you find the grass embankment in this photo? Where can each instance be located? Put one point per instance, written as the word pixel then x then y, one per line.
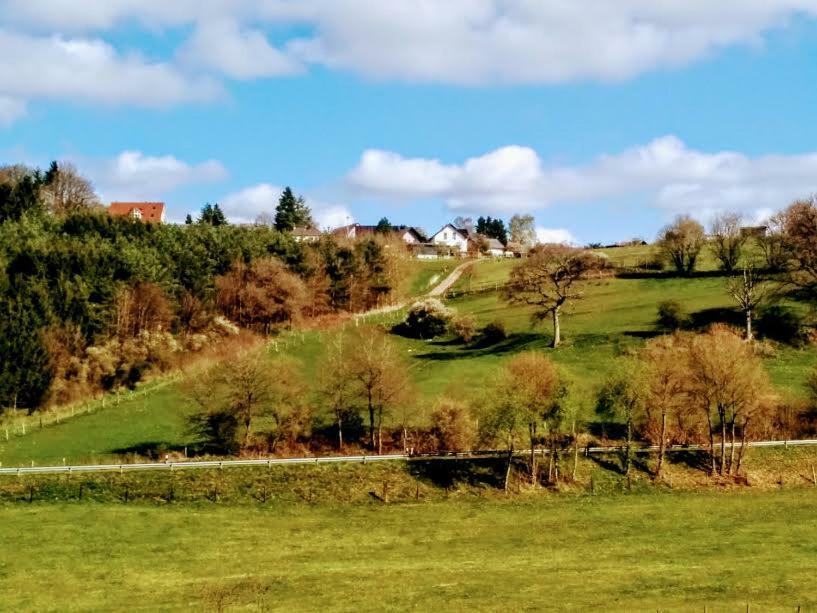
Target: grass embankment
pixel 617 314
pixel 663 552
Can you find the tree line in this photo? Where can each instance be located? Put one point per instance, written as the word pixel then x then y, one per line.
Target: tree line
pixel 93 302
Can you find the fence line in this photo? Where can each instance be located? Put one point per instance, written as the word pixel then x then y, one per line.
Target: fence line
pixel 362 459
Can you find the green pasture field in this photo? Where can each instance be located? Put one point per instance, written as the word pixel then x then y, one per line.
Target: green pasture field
pixel 665 552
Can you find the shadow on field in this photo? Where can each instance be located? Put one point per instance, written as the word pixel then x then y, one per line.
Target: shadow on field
pixel 156 450
pixel 669 274
pixel 700 320
pixel 695 459
pixel 513 344
pixel 448 474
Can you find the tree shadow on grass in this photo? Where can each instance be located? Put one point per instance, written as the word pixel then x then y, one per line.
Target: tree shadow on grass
pixel 696 459
pixel 700 320
pixel 156 450
pixel 608 463
pixel 513 344
pixel 448 474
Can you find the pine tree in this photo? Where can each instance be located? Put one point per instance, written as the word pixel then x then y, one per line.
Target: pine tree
pixel 292 212
pixel 188 220
pixel 213 215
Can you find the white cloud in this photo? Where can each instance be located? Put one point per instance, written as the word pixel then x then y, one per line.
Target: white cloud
pixel 245 205
pixel 221 45
pixel 555 235
pixel 455 41
pixel 89 69
pixel 134 175
pixel 11 109
pixel 665 172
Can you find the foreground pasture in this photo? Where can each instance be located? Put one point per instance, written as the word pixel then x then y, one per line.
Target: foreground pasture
pixel 619 552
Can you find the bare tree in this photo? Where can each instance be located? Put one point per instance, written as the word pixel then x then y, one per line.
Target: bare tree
pixel 624 396
pixel 772 243
pixel 799 225
pixel 749 290
pixel 262 295
pixel 67 191
pixel 336 385
pixel 548 280
pixel 522 231
pixel 728 383
pixel 681 243
pixel 233 396
pixel 452 425
pixel 525 403
pixel 665 359
pixel 727 240
pixel 380 376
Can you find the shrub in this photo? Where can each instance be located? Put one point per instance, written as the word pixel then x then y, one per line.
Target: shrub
pixel 426 319
pixel 671 315
pixel 452 428
pixel 463 328
pixel 781 324
pixel 494 332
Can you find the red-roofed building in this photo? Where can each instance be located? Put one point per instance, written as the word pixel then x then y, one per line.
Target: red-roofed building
pixel 152 212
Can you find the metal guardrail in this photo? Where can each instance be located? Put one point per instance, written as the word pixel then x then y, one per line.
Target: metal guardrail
pixel 363 459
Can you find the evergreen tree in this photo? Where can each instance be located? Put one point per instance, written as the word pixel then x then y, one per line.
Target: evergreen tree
pixel 188 220
pixel 383 226
pixel 213 215
pixel 292 212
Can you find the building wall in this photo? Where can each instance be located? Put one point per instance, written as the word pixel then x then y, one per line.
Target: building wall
pixel 451 238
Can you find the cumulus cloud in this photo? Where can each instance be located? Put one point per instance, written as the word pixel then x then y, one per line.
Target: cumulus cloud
pixel 665 171
pixel 456 41
pixel 555 235
pixel 246 205
pixel 132 174
pixel 220 44
pixel 89 69
pixel 11 109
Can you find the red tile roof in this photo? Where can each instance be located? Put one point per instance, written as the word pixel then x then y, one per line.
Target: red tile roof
pixel 151 211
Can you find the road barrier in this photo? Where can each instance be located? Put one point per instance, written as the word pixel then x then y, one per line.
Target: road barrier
pixel 362 459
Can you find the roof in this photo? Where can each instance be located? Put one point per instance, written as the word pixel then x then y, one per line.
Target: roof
pixel 151 211
pixel 494 243
pixel 301 231
pixel 461 231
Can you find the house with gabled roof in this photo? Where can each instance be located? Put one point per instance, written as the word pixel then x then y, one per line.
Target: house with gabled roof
pixel 151 212
pixel 456 239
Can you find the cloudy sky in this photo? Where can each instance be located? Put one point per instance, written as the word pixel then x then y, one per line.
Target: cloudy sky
pixel 602 119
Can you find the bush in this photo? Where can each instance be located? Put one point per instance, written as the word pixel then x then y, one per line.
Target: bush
pixel 671 315
pixel 452 428
pixel 494 332
pixel 781 324
pixel 426 319
pixel 464 328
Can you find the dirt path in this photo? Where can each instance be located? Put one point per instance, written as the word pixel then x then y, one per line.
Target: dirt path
pixel 451 279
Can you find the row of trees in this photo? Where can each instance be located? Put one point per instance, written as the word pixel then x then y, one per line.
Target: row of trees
pixel 787 243
pixel 684 388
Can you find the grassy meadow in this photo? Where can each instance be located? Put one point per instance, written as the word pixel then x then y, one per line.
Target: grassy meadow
pixel 617 314
pixel 667 552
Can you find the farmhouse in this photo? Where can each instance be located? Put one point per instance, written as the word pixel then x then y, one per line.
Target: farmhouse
pixel 408 234
pixel 306 234
pixel 151 212
pixel 457 239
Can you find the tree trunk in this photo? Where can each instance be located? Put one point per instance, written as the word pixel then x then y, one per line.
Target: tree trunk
pixel 628 447
pixel 723 444
pixel 742 446
pixel 557 330
pixel 371 422
pixel 532 433
pixel 732 449
pixel 711 442
pixel 749 334
pixel 508 468
pixel 575 451
pixel 340 432
pixel 662 444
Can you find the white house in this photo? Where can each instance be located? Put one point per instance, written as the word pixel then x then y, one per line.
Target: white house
pixel 454 238
pixel 495 248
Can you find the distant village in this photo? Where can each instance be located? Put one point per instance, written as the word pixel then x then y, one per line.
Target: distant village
pixel 447 242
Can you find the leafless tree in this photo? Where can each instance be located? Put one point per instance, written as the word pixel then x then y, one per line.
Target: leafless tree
pixel 548 280
pixel 728 240
pixel 522 231
pixel 681 243
pixel 68 191
pixel 749 290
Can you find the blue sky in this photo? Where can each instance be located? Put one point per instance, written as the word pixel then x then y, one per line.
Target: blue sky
pixel 602 121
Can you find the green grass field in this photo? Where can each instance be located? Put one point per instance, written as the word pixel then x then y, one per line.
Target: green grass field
pixel 667 552
pixel 617 314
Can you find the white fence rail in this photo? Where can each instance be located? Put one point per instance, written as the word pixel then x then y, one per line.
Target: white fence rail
pixel 362 459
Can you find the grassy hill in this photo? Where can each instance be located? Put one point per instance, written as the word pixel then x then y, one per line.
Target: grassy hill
pixel 616 314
